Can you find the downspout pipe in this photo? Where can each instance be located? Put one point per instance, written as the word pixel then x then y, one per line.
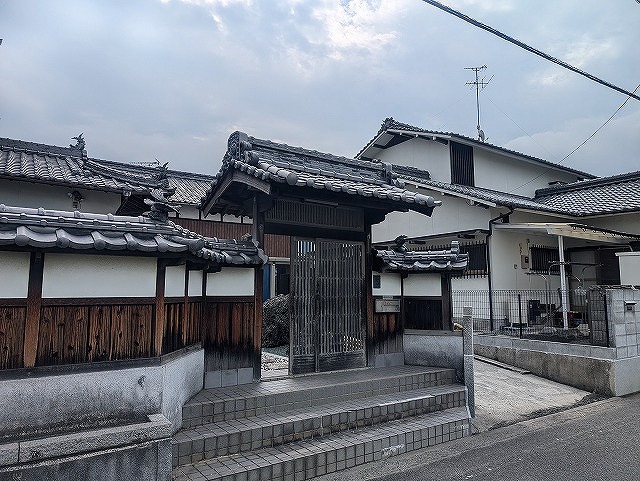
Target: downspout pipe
pixel 490 283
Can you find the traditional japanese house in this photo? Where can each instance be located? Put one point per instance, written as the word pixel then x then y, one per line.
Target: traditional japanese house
pixel 327 204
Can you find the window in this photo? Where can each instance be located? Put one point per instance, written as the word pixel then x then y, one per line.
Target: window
pixel 461 164
pixel 545 260
pixel 282 279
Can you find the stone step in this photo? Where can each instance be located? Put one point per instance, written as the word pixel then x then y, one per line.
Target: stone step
pixel 315 457
pixel 256 432
pixel 238 402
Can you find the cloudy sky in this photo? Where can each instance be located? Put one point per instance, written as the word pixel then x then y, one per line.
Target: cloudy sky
pixel 171 79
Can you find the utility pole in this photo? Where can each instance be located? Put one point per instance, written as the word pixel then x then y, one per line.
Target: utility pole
pixel 480 84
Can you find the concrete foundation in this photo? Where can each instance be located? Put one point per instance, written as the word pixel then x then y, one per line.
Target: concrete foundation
pixel 434 348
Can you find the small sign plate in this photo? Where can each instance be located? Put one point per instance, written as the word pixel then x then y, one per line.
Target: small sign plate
pixel 387 305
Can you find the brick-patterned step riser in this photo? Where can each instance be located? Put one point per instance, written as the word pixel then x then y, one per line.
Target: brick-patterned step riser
pixel 261 432
pixel 197 413
pixel 305 460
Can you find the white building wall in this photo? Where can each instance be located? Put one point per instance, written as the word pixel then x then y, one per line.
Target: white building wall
pixel 80 275
pixel 418 285
pixel 629 223
pixel 28 194
pixel 454 215
pixel 470 284
pixel 423 154
pixel 174 281
pixel 195 283
pixel 14 274
pixel 507 174
pixel 390 284
pixel 629 268
pixel 231 281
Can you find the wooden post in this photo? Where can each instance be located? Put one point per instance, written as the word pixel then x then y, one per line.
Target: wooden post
pixel 447 318
pixel 186 324
pixel 159 318
pixel 34 305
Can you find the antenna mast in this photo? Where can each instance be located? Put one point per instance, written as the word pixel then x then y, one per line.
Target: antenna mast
pixel 480 84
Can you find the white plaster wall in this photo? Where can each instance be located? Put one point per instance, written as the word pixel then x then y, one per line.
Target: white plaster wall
pixel 29 194
pixel 174 281
pixel 470 284
pixel 80 275
pixel 423 154
pixel 195 283
pixel 629 268
pixel 454 215
pixel 389 285
pixel 14 274
pixel 416 285
pixel 506 174
pixel 505 251
pixel 189 212
pixel 231 281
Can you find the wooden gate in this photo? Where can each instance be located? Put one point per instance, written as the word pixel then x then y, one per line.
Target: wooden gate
pixel 327 305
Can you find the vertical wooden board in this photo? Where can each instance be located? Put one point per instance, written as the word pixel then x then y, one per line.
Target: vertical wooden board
pixel 99 339
pixel 140 325
pixel 12 320
pixel 75 331
pixel 47 353
pixel 118 336
pixel 236 327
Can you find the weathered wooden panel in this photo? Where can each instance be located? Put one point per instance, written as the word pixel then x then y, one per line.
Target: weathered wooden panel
pixel 174 325
pixel 274 245
pixel 388 333
pixel 12 319
pixel 62 335
pixel 99 343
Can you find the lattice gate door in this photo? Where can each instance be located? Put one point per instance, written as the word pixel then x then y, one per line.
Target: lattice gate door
pixel 327 315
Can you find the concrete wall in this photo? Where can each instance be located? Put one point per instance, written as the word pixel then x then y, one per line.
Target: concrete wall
pixel 230 281
pixel 607 370
pixel 14 274
pixel 81 275
pixel 45 399
pixel 434 348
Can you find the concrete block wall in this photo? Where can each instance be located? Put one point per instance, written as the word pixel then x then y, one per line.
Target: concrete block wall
pixel 623 308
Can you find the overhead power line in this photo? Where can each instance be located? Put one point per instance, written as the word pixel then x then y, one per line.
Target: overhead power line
pixel 529 48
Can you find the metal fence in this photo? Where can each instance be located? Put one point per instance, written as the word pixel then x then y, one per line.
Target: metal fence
pixel 537 314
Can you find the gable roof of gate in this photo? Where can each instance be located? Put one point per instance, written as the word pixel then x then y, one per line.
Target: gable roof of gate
pixel 424 261
pixel 53 229
pixel 262 163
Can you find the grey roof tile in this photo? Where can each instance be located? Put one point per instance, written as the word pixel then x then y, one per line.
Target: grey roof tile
pixel 425 261
pixel 43 229
pixel 300 167
pixel 51 164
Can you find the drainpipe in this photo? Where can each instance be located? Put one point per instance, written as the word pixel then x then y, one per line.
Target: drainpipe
pixel 563 284
pixel 491 222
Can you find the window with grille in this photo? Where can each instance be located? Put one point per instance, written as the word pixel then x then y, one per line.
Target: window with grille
pixel 545 260
pixel 461 164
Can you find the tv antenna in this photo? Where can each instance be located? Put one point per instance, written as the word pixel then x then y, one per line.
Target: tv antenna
pixel 480 84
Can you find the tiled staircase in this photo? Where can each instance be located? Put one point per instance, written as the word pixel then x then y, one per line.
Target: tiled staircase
pixel 298 428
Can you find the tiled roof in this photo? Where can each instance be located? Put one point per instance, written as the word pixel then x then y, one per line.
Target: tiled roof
pixel 308 169
pixel 389 124
pixel 421 177
pixel 425 261
pixel 607 195
pixel 70 166
pixel 42 228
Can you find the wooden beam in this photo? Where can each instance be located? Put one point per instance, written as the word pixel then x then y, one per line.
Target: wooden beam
pixel 447 317
pixel 159 318
pixel 371 335
pixel 34 306
pixel 185 309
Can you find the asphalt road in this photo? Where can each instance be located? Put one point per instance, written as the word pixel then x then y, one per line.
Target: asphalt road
pixel 599 441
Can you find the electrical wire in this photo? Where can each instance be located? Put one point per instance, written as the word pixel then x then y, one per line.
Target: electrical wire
pixel 529 48
pixel 583 143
